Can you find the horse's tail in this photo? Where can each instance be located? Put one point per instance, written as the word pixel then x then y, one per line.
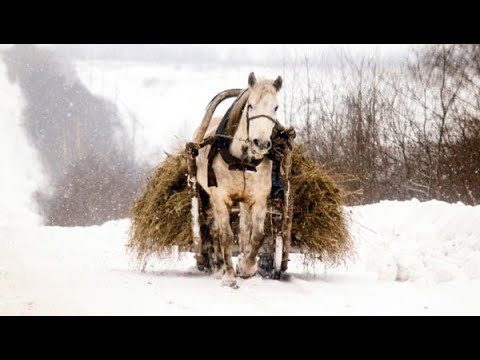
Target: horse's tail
pixel 198 137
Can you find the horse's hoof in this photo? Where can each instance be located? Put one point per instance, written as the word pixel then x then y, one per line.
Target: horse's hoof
pixel 229 279
pixel 230 283
pixel 234 286
pixel 246 273
pixel 248 276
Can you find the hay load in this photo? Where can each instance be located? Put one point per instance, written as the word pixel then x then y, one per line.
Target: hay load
pixel 161 217
pixel 319 222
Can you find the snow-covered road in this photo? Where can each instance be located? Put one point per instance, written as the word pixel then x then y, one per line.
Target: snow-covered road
pixel 430 267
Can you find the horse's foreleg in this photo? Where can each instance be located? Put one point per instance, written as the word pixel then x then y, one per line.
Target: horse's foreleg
pixel 245 227
pixel 248 264
pixel 225 237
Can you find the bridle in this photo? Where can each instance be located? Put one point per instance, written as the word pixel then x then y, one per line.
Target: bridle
pixel 221 145
pixel 275 121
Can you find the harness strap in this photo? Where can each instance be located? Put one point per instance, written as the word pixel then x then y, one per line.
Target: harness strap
pixel 193 148
pixel 221 144
pixel 278 126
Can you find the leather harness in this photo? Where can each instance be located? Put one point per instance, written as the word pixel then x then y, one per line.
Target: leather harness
pixel 221 144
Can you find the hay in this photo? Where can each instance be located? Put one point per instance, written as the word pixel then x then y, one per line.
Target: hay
pixel 161 217
pixel 319 222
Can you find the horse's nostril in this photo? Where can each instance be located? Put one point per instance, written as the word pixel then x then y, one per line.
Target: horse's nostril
pixel 262 144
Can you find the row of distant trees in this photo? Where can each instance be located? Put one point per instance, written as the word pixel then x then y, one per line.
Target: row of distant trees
pixel 394 130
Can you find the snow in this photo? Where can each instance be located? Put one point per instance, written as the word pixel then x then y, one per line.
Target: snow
pixel 412 258
pixel 432 241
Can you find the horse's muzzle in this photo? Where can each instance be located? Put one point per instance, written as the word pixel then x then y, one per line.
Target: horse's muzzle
pixel 260 146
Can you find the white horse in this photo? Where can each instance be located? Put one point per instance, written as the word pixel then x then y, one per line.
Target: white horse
pixel 241 173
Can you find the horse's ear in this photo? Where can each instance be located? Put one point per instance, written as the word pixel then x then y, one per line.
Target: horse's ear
pixel 277 84
pixel 252 80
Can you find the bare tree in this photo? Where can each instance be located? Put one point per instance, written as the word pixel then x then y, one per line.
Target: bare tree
pixel 408 131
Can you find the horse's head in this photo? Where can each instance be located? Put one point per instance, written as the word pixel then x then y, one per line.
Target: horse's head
pixel 261 114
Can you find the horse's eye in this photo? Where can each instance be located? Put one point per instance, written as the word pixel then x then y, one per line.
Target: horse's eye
pixel 276 108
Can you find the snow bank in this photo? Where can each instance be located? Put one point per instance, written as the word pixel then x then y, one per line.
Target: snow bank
pixel 431 241
pixel 20 174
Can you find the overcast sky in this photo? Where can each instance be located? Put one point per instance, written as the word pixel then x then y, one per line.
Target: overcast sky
pixel 258 54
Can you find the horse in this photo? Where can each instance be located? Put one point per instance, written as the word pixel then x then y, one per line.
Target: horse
pixel 235 169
